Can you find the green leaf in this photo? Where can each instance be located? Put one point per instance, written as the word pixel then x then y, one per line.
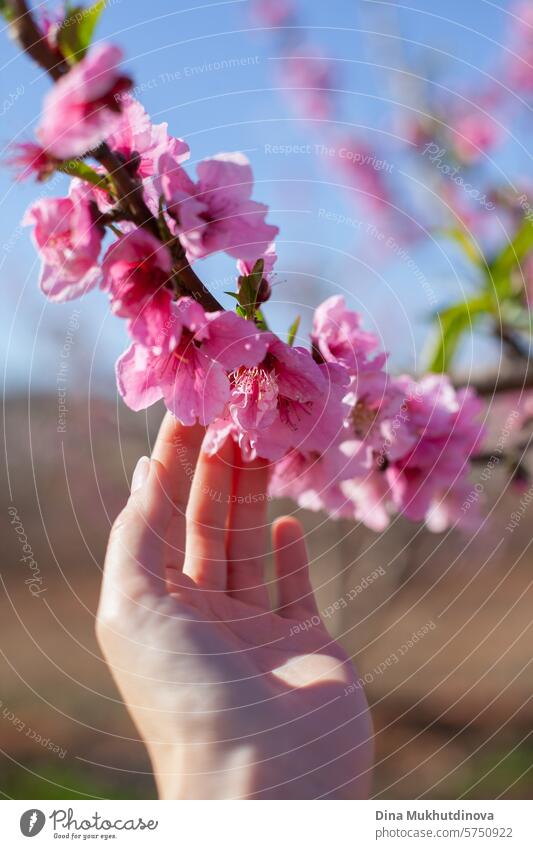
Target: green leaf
pixel 466 243
pixel 257 270
pixel 76 32
pixel 293 330
pixel 6 11
pixel 247 293
pixel 451 324
pixel 78 168
pixel 514 314
pixel 233 295
pixel 510 257
pixel 260 320
pixel 248 288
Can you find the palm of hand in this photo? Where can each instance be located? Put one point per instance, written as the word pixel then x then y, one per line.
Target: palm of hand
pixel 204 661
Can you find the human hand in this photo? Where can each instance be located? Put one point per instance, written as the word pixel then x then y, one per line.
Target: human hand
pixel 232 699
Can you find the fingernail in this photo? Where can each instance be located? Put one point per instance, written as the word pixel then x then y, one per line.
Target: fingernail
pixel 140 473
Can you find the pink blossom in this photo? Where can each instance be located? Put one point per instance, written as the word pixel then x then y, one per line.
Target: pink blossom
pixel 425 475
pixel 83 107
pixel 376 424
pixel 308 80
pixel 421 468
pixel 193 387
pixel 338 337
pixel 191 377
pixel 454 506
pixel 313 480
pixel 216 213
pixel 286 401
pixel 49 23
pixel 314 425
pixel 473 134
pixel 141 143
pixel 369 496
pixel 68 241
pixel 172 182
pixel 272 13
pixel 287 372
pixel 445 424
pixel 358 165
pixel 375 435
pixel 269 257
pixel 31 160
pixel 136 272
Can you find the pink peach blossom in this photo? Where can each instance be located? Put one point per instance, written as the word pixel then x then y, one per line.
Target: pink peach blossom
pixel 313 480
pixel 273 13
pixel 191 377
pixel 31 159
pixel 141 143
pixel 216 213
pixel 425 475
pixel 369 496
pixel 269 257
pixel 286 401
pixel 446 425
pixel 474 134
pixel 68 240
pixel 338 336
pixel 308 80
pixel 49 22
pixel 83 107
pixel 358 165
pixel 136 273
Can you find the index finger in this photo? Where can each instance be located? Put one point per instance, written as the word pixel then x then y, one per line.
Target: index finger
pixel 177 448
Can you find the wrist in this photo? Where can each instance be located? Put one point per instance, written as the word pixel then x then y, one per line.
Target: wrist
pixel 205 771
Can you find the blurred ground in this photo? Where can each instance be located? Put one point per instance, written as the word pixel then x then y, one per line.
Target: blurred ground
pixel 440 626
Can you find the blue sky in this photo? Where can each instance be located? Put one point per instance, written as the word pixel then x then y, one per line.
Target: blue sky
pixel 172 51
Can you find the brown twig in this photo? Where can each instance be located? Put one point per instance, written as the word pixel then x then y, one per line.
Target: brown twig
pixel 32 41
pixel 129 190
pixel 512 343
pixel 520 381
pixel 513 458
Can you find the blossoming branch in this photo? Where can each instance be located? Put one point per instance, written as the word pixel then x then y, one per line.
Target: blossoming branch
pixel 341 433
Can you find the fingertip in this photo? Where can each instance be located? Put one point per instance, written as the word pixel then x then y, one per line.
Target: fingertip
pixel 140 473
pixel 290 550
pixel 287 530
pixel 134 560
pixel 174 437
pixel 295 594
pixel 177 448
pixel 149 495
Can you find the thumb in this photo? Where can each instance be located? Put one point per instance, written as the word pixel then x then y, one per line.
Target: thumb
pixel 134 563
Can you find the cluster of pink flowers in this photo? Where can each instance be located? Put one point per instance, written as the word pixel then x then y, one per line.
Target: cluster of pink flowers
pixel 404 446
pixel 340 432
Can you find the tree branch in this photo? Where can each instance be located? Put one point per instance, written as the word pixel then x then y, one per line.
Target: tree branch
pixel 518 381
pixel 129 190
pixel 32 41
